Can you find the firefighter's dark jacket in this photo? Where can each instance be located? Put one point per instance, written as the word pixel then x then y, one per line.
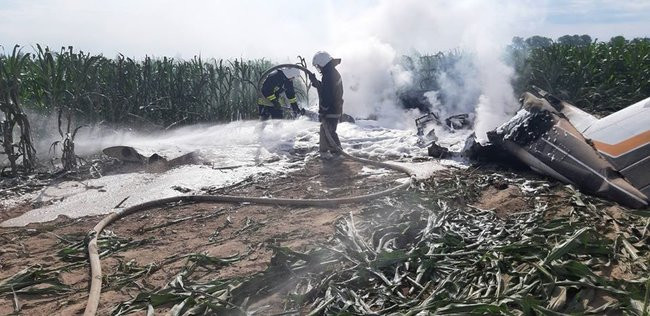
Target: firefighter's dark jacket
pixel 274 85
pixel 330 90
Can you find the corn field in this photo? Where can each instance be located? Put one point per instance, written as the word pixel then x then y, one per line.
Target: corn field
pixel 602 77
pixel 122 90
pixel 81 88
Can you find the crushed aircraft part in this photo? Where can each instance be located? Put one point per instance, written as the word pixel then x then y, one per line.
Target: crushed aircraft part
pixel 422 122
pixel 427 139
pixel 459 121
pixel 417 99
pixel 140 156
pixel 623 138
pixel 489 153
pixel 438 151
pixel 607 157
pixel 452 123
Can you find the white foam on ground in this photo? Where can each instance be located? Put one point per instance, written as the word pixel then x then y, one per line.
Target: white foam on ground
pixel 424 170
pixel 373 172
pixel 245 148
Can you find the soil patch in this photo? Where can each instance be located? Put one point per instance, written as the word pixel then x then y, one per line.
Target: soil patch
pixel 503 200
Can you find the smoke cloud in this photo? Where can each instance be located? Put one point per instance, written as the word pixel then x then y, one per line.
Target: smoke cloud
pixel 372 43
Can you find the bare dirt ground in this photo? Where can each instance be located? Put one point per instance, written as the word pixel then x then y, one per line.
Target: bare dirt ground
pixel 164 235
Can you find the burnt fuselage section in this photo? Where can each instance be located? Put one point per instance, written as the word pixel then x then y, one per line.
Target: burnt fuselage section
pixel 544 138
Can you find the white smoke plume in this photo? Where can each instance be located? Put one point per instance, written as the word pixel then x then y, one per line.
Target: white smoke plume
pixel 372 42
pixel 372 77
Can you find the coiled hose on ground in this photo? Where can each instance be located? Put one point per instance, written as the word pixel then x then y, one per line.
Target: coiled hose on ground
pixel 93 249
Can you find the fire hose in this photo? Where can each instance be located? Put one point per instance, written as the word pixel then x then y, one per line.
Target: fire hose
pixel 93 249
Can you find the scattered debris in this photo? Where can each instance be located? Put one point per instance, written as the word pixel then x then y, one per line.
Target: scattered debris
pixel 422 121
pixel 417 99
pixel 459 121
pixel 451 124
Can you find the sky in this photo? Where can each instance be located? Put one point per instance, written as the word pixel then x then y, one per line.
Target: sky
pixel 281 29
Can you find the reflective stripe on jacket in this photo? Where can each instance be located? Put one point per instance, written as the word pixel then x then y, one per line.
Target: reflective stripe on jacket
pixel 275 84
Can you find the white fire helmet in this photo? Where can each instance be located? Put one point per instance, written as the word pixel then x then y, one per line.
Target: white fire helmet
pixel 321 59
pixel 290 73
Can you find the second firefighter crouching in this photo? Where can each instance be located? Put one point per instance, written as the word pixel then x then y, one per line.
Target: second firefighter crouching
pixel 277 88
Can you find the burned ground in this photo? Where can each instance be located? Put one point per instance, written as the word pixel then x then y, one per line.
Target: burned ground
pixel 463 241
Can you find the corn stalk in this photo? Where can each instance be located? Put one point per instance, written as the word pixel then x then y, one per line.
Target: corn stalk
pixel 11 72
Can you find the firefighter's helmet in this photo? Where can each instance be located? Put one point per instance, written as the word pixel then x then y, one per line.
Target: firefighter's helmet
pixel 290 73
pixel 321 59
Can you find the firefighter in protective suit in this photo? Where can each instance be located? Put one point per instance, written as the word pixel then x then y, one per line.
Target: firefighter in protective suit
pixel 275 88
pixel 330 95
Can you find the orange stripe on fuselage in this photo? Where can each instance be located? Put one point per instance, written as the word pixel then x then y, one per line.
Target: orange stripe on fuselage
pixel 625 146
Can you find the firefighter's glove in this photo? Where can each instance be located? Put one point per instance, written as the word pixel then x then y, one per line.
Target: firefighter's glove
pixel 313 79
pixel 276 104
pixel 296 110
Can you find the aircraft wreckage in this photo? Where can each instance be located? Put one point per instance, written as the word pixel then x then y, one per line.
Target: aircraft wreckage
pixel 608 157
